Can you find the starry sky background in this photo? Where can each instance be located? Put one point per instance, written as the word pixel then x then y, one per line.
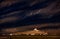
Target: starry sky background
pixel 21 13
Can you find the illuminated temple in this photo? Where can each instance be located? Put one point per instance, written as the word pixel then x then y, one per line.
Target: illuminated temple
pixel 32 32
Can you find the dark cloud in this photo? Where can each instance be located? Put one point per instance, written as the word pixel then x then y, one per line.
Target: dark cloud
pixel 14 13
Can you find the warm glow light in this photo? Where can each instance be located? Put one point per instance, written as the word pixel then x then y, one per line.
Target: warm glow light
pixel 35 29
pixel 11 34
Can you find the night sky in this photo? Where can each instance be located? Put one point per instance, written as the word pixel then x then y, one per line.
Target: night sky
pixel 21 13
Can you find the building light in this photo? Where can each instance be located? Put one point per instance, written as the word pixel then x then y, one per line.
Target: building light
pixel 11 34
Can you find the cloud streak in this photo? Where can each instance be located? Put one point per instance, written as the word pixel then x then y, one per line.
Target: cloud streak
pixel 8 19
pixel 6 3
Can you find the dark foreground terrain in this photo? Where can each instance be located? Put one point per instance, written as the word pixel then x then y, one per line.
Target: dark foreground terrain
pixel 30 37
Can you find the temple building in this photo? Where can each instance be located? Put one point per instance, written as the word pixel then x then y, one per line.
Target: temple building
pixel 32 32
